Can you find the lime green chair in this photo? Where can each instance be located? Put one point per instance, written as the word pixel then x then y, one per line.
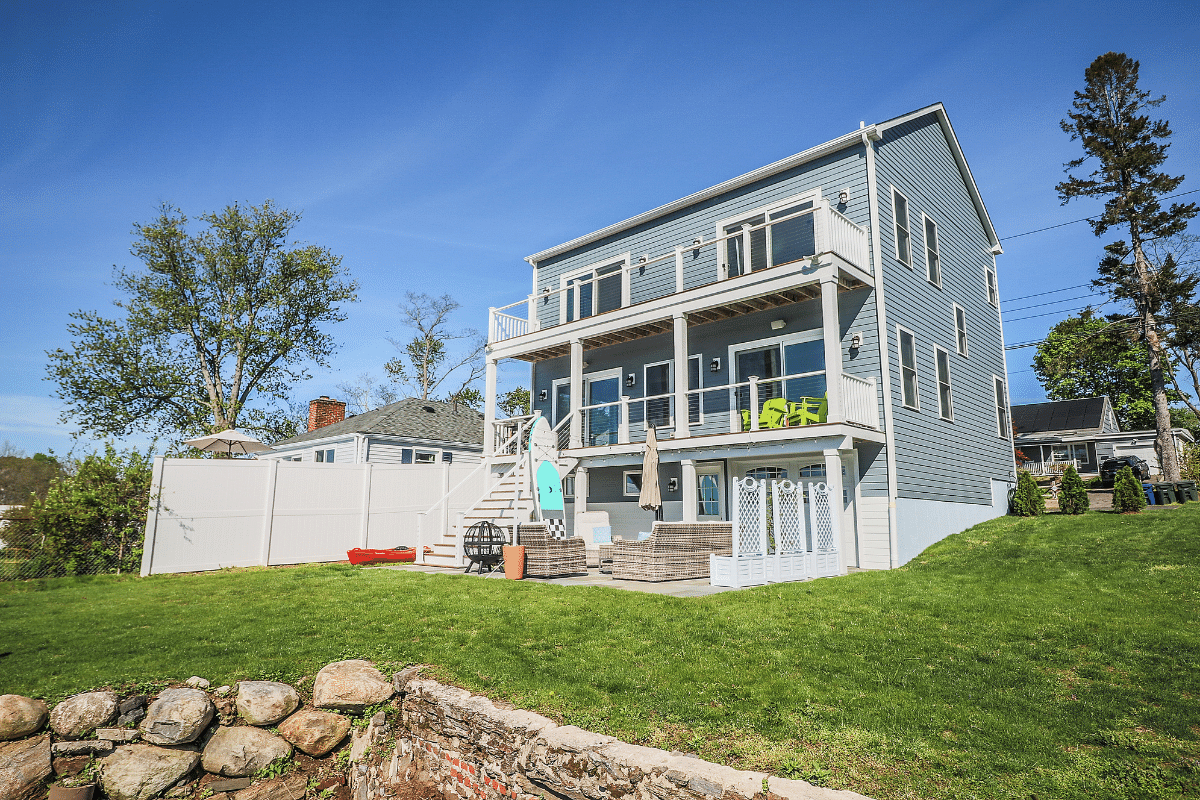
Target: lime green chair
pixel 774 413
pixel 809 410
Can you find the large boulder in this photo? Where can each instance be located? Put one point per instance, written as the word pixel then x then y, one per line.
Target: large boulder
pixel 20 716
pixel 78 716
pixel 143 771
pixel 23 767
pixel 266 702
pixel 350 686
pixel 315 732
pixel 241 751
pixel 177 716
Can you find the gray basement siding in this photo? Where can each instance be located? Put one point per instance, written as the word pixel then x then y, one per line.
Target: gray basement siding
pixel 937 459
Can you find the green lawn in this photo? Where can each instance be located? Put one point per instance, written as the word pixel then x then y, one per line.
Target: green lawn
pixel 1057 657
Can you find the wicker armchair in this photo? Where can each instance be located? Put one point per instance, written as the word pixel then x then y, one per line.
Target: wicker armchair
pixel 675 551
pixel 547 557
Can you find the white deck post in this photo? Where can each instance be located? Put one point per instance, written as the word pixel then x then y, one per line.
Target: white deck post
pixel 833 479
pixel 691 499
pixel 581 489
pixel 682 416
pixel 489 408
pixel 831 330
pixel 753 403
pixel 576 393
pixel 623 423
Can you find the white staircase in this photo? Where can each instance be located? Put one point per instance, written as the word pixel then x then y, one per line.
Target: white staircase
pixel 508 503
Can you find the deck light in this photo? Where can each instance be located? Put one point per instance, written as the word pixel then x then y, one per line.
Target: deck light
pixel 543 395
pixel 778 324
pixel 715 365
pixel 631 379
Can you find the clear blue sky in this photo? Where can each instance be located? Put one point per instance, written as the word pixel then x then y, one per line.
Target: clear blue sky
pixel 434 145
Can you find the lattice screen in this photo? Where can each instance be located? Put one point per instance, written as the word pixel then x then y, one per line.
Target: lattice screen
pixel 750 507
pixel 787 517
pixel 822 508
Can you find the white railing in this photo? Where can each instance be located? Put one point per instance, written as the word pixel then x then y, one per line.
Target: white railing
pixel 861 404
pixel 833 232
pixel 1048 467
pixel 562 432
pixel 510 434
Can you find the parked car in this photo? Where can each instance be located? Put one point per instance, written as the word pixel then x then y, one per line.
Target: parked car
pixel 1111 466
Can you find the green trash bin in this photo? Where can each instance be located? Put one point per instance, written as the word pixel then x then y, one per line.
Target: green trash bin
pixel 1186 490
pixel 1164 493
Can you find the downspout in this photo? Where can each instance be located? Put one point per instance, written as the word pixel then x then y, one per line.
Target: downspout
pixel 885 347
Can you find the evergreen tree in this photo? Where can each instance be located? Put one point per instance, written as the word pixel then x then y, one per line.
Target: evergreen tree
pixel 1073 499
pixel 1109 121
pixel 1027 500
pixel 1127 492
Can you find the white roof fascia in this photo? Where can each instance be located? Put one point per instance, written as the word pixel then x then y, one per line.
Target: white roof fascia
pixel 832 146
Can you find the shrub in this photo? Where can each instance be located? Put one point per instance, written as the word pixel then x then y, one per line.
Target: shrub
pixel 1127 492
pixel 1027 500
pixel 1073 498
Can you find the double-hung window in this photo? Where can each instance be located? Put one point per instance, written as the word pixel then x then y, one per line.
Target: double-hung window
pixel 945 399
pixel 599 288
pixel 993 290
pixel 908 368
pixel 933 261
pixel 1005 428
pixel 900 223
pixel 778 234
pixel 960 329
pixel 324 456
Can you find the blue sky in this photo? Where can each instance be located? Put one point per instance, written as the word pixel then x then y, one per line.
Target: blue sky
pixel 434 145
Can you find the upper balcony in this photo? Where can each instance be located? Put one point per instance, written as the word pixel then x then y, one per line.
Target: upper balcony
pixel 766 256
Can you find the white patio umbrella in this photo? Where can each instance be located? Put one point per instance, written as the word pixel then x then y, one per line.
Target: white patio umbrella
pixel 230 441
pixel 651 496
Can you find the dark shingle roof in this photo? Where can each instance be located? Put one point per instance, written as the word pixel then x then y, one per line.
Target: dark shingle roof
pixel 413 418
pixel 1060 415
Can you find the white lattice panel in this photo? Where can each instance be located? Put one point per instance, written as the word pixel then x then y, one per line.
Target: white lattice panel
pixel 787 516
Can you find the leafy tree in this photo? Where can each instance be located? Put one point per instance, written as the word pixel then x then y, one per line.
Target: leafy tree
pixel 1087 356
pixel 367 393
pixel 1073 497
pixel 1127 492
pixel 1189 468
pixel 1109 121
pixel 514 402
pixel 437 355
pixel 216 327
pixel 1027 500
pixel 21 477
pixel 92 520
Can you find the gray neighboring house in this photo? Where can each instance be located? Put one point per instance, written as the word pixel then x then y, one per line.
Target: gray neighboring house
pixel 1085 430
pixel 411 431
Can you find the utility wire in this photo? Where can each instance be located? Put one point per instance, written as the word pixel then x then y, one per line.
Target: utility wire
pixel 1052 302
pixel 1085 219
pixel 1052 291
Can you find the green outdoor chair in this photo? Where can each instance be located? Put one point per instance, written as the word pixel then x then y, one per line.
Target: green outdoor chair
pixel 809 410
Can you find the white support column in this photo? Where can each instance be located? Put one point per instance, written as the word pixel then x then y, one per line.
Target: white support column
pixel 691 501
pixel 833 479
pixel 581 489
pixel 832 331
pixel 682 418
pixel 576 393
pixel 489 408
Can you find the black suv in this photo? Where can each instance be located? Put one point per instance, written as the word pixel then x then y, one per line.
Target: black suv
pixel 1111 466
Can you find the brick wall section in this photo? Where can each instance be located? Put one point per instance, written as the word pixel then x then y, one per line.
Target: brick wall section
pixel 473 749
pixel 323 411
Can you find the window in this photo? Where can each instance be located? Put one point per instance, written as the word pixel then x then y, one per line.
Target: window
pixel 599 288
pixel 324 456
pixel 658 383
pixel 933 263
pixel 633 483
pixel 960 329
pixel 903 237
pixel 695 375
pixel 406 456
pixel 568 486
pixel 767 474
pixel 447 457
pixel 945 400
pixel 993 291
pixel 908 368
pixel 1005 429
pixel 426 458
pixel 1068 452
pixel 802 354
pixel 781 234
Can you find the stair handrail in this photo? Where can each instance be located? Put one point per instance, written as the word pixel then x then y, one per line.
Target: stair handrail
pixel 486 492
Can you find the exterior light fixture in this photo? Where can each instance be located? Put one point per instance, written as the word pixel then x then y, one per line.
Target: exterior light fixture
pixel 631 379
pixel 543 395
pixel 714 365
pixel 778 324
pixel 673 484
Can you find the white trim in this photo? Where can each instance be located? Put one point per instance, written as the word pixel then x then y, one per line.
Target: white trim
pixel 670 362
pixel 955 308
pixel 625 482
pixel 813 196
pixel 1000 427
pixel 623 259
pixel 716 468
pixel 896 225
pixel 699 358
pixel 991 285
pixel 937 378
pixel 916 372
pixel 617 374
pixel 937 250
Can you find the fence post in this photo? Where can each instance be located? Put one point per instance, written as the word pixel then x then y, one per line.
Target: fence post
pixel 155 506
pixel 264 557
pixel 445 496
pixel 366 507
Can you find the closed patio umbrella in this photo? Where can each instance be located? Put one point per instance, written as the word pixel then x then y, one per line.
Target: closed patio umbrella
pixel 230 441
pixel 651 497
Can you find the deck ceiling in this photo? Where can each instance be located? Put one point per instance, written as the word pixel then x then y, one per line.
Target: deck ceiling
pixel 715 313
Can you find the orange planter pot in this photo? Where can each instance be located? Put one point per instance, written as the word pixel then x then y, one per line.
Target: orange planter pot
pixel 514 561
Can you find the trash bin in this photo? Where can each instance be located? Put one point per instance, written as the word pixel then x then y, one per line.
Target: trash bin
pixel 1149 490
pixel 1164 493
pixel 1187 491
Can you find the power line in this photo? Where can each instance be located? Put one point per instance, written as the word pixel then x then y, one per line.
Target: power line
pixel 1085 219
pixel 1052 291
pixel 1059 311
pixel 1052 302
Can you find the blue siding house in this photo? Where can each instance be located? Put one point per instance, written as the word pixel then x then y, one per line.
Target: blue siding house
pixel 834 315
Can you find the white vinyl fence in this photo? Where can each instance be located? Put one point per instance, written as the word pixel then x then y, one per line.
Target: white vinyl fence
pixel 209 514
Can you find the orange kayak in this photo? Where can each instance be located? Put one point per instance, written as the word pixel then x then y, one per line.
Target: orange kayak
pixel 360 556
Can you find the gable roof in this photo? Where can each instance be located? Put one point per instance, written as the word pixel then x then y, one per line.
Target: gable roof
pixel 869 132
pixel 431 420
pixel 1060 415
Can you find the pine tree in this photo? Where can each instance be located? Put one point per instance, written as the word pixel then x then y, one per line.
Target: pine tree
pixel 1109 122
pixel 1073 499
pixel 1127 492
pixel 1027 500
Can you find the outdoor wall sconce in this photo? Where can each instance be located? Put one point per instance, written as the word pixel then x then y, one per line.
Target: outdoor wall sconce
pixel 844 196
pixel 673 485
pixel 856 340
pixel 778 324
pixel 631 379
pixel 715 365
pixel 543 394
pixel 699 240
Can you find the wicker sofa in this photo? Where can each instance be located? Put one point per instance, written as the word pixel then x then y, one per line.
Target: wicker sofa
pixel 547 557
pixel 675 551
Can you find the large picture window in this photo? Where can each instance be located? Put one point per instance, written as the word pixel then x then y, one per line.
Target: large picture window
pixel 790 236
pixel 900 223
pixel 908 368
pixel 933 261
pixel 801 355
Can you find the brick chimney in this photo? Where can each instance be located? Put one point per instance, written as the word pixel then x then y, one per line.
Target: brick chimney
pixel 324 412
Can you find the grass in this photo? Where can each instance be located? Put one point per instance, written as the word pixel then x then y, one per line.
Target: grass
pixel 1052 657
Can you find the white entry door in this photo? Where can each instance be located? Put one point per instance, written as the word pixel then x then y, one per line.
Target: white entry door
pixel 710 492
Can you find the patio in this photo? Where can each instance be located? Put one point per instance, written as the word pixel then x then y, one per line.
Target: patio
pixel 698 587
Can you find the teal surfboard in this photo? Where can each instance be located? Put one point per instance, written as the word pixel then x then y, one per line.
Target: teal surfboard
pixel 549 488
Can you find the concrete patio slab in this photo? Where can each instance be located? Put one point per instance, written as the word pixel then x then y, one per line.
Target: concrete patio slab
pixel 689 588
